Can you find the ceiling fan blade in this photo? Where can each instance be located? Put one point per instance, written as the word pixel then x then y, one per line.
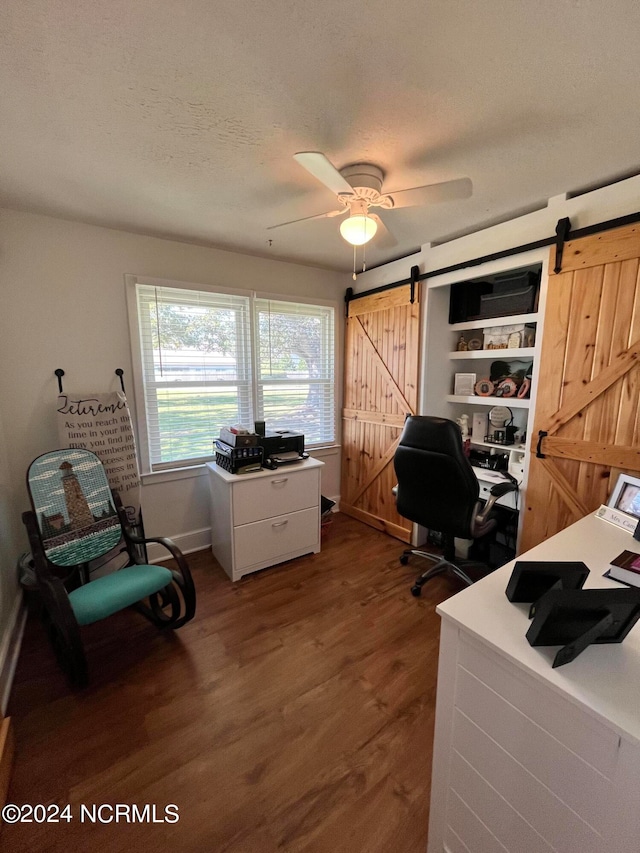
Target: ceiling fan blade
pixel 384 238
pixel 432 193
pixel 317 165
pixel 306 218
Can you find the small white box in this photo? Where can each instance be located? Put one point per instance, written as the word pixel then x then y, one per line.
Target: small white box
pixel 479 427
pixel 464 384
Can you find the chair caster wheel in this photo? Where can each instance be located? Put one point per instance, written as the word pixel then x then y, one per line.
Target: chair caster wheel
pixel 404 559
pixel 416 591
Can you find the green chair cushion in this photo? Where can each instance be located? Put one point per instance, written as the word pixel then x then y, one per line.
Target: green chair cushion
pixel 106 595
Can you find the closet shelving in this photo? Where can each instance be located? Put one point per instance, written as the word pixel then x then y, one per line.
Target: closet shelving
pixel 443 360
pixel 486 356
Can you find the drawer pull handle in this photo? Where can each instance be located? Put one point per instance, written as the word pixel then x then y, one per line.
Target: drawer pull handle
pixel 277 482
pixel 280 523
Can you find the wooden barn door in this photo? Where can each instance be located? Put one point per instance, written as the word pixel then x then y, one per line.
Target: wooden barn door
pixel 380 390
pixel 589 383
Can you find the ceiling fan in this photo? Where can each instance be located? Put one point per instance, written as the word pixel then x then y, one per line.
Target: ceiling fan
pixel 358 188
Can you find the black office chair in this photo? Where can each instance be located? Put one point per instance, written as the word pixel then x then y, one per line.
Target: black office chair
pixel 438 490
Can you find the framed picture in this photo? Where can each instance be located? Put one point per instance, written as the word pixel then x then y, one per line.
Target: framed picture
pixel 463 384
pixel 579 617
pixel 626 496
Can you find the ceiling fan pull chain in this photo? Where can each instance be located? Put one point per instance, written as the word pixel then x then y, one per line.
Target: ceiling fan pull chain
pixel 364 258
pixel 354 263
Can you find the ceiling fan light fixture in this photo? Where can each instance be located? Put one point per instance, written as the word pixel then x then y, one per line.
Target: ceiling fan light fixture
pixel 358 229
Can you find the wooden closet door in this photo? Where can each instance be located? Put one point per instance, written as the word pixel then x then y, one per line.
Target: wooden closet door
pixel 380 390
pixel 589 383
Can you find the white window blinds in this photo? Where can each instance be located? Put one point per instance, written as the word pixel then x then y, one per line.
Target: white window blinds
pixel 210 360
pixel 295 368
pixel 196 366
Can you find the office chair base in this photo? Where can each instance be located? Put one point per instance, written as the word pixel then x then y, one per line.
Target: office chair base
pixel 417 552
pixel 441 565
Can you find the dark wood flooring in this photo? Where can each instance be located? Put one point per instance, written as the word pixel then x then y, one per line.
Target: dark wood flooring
pixel 294 713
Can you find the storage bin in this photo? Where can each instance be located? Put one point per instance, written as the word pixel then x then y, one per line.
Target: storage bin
pixel 510 297
pixel 497 337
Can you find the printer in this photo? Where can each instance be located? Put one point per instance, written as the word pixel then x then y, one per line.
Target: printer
pixel 283 446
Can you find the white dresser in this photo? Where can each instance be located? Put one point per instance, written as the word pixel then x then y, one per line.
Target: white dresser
pixel 530 759
pixel 264 518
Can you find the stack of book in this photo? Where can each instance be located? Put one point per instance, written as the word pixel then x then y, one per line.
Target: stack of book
pixel 626 568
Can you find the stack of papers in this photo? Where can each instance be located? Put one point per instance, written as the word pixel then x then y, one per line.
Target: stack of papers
pixel 287 456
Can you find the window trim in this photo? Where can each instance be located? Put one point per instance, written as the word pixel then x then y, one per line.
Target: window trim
pixel 139 413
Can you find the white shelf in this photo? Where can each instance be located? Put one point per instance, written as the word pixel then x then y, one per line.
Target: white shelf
pixel 514 320
pixel 496 354
pixel 510 402
pixel 519 447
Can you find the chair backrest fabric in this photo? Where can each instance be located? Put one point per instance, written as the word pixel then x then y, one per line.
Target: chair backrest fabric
pixel 73 505
pixel 436 484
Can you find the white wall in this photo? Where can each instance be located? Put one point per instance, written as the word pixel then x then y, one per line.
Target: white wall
pixel 63 305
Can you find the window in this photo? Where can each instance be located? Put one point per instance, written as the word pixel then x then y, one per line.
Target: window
pixel 213 359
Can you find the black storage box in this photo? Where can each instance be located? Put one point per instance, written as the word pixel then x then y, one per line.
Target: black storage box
pixel 236 460
pixel 500 295
pixel 515 296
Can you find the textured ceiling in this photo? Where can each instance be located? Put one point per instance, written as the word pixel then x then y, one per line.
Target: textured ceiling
pixel 180 118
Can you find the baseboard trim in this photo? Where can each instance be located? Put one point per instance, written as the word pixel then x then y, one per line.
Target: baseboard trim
pixel 197 540
pixel 7 749
pixel 193 540
pixel 377 523
pixel 10 649
pixel 336 500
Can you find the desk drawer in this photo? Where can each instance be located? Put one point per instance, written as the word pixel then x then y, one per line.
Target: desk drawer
pixel 285 491
pixel 275 538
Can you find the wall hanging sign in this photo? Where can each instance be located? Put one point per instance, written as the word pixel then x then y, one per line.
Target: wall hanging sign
pixel 102 423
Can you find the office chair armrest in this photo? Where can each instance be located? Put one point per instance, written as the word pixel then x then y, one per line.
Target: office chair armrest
pixel 501 489
pixel 498 491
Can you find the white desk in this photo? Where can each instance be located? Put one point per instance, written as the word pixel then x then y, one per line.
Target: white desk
pixel 530 759
pixel 266 517
pixel 486 479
